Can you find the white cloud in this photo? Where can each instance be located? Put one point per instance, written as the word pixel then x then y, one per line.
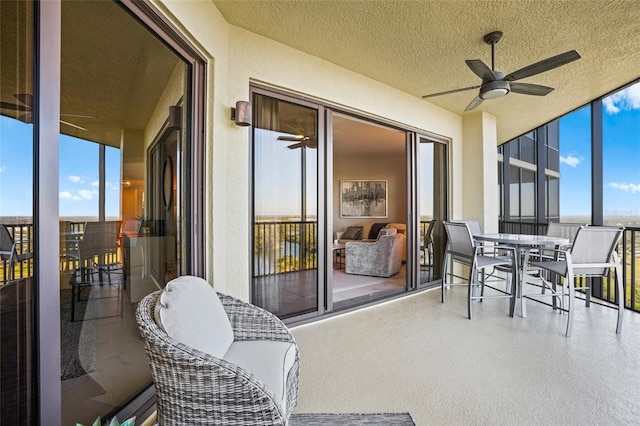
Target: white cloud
pixel 75 179
pixel 2 169
pixel 65 195
pixel 626 100
pixel 95 183
pixel 85 194
pixel 626 187
pixel 571 160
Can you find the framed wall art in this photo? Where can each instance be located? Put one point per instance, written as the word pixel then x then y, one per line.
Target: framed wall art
pixel 363 198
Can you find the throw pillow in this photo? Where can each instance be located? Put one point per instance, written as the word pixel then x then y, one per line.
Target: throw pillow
pixel 375 230
pixel 190 311
pixel 353 233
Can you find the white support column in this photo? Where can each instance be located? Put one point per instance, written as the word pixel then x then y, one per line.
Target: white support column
pixel 480 198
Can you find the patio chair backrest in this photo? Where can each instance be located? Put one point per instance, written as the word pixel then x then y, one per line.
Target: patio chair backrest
pixel 473 225
pixel 564 230
pixel 6 243
pixel 99 239
pixel 594 244
pixel 460 243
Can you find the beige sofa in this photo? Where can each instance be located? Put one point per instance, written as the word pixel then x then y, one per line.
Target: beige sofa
pixel 366 233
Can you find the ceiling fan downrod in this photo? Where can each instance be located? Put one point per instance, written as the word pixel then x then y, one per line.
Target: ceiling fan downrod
pixel 491 39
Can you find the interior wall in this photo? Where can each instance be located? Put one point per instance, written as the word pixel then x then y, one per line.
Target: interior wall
pixel 238 57
pixel 371 167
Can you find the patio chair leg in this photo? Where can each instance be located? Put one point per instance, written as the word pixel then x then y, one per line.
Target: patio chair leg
pixel 620 293
pixel 571 307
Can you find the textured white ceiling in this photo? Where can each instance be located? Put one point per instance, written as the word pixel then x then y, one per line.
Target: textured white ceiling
pixel 419 47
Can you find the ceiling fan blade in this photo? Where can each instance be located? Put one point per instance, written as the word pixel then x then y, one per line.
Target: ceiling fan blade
pixel 450 91
pixel 14 107
pixel 544 65
pixel 297 145
pixel 474 104
pixel 297 138
pixel 78 115
pixel 25 98
pixel 481 69
pixel 73 125
pixel 531 89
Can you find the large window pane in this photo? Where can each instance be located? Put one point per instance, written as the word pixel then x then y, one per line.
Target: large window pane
pixel 285 222
pixel 575 166
pixel 528 194
pixel 621 152
pixel 120 187
pixel 17 357
pixel 514 192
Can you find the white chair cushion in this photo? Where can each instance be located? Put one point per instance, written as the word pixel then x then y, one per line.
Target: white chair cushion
pixel 190 311
pixel 269 361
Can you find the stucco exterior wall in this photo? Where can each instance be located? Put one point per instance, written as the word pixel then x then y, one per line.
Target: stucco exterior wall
pixel 238 57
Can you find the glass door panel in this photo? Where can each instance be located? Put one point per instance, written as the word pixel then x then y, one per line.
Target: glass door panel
pixel 369 182
pixel 120 184
pixel 285 207
pixel 432 166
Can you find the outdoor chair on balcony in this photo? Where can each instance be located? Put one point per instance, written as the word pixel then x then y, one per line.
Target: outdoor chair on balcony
pixel 11 253
pixel 216 360
pixel 554 229
pixel 592 254
pixel 462 249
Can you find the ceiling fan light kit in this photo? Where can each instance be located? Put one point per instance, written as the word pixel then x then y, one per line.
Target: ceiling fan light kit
pixel 496 84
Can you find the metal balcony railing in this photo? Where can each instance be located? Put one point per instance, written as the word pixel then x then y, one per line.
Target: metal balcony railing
pixel 284 246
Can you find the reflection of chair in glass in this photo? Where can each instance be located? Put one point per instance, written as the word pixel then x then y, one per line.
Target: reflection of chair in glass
pixel 11 253
pixel 380 258
pixel 462 249
pixel 130 229
pixel 426 249
pixel 96 256
pixel 592 254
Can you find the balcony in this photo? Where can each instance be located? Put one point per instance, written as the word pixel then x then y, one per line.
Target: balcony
pixel 421 356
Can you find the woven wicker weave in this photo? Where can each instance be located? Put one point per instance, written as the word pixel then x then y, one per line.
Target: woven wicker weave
pixel 195 388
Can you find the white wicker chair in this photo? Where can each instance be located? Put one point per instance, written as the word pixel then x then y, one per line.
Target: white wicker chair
pixel 195 388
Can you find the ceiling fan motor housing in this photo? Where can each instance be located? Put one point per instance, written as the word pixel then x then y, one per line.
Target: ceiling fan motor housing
pixel 492 89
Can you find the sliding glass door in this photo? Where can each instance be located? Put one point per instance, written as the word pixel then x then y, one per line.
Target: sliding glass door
pixel 285 273
pixel 432 208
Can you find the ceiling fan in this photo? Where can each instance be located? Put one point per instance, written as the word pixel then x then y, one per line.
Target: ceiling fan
pixel 26 107
pixel 495 84
pixel 303 141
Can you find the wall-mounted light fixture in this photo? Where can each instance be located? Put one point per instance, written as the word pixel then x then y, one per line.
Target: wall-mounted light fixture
pixel 241 114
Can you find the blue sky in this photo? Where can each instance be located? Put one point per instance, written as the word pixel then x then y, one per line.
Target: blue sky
pixel 79 167
pixel 78 183
pixel 621 152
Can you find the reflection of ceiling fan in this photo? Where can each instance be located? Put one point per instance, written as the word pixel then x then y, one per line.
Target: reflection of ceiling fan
pixel 495 84
pixel 25 110
pixel 303 141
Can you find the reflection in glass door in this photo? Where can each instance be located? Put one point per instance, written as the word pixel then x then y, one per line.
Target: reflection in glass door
pixel 432 190
pixel 285 207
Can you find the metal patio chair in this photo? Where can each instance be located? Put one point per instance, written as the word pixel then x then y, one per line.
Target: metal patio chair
pixel 11 253
pixel 462 249
pixel 592 254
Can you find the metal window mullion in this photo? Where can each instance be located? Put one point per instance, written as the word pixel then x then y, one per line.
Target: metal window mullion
pixel 597 172
pixel 541 162
pixel 46 208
